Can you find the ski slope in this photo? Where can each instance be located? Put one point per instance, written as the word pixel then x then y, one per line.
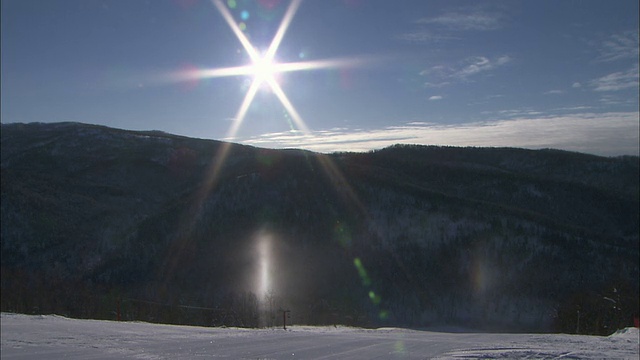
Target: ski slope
pixel 56 337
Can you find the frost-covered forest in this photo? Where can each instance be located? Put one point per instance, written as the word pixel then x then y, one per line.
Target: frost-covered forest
pixel 100 223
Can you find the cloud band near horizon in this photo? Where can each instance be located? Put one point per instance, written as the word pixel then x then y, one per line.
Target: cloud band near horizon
pixel 606 134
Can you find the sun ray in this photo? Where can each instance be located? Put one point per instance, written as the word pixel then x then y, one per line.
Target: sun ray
pixel 253 54
pixel 275 68
pixel 221 156
pixel 242 112
pixel 318 64
pixel 199 74
pixel 288 105
pixel 282 29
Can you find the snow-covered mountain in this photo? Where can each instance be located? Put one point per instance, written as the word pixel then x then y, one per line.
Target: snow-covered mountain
pixel 179 230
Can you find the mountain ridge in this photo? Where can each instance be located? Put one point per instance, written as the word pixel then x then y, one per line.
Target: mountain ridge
pixel 410 235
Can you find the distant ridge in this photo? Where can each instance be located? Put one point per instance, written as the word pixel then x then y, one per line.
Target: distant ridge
pixel 493 238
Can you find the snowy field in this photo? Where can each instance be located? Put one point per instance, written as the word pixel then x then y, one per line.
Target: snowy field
pixel 56 337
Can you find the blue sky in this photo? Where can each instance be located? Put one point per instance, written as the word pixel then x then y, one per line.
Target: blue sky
pixel 534 73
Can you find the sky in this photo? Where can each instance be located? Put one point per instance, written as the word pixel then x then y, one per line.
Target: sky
pixel 342 75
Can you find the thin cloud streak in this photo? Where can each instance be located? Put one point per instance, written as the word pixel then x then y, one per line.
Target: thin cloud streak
pixel 607 134
pixel 466 20
pixel 448 26
pixel 443 75
pixel 619 46
pixel 425 36
pixel 617 81
pixel 479 64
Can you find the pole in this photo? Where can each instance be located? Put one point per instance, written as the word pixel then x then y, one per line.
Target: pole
pixel 284 318
pixel 118 310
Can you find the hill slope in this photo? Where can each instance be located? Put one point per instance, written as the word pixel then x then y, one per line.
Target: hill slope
pixel 407 235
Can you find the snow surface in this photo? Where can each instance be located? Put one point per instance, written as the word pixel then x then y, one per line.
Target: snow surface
pixel 57 337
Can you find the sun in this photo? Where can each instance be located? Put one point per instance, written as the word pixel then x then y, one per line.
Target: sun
pixel 264 69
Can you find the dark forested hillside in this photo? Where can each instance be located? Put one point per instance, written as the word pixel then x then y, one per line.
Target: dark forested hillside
pixel 98 222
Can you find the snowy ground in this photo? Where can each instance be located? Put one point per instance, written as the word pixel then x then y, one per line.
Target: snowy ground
pixel 56 337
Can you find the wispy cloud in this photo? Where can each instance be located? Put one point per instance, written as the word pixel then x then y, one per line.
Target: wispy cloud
pixel 554 92
pixel 619 46
pixel 609 99
pixel 435 97
pixel 442 75
pixel 617 81
pixel 469 19
pixel 425 36
pixel 572 108
pixel 479 64
pixel 607 134
pixel 519 113
pixel 449 25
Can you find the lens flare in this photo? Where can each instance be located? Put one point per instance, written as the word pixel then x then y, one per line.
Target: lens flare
pixel 366 281
pixel 264 257
pixel 481 276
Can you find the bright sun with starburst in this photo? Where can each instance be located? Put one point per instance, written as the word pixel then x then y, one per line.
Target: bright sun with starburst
pixel 264 69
